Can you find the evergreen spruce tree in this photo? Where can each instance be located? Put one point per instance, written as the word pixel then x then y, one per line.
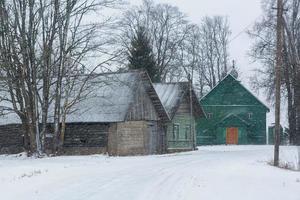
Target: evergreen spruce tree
pixel 140 55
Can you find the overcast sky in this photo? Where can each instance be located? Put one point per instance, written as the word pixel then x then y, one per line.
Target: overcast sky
pixel 241 15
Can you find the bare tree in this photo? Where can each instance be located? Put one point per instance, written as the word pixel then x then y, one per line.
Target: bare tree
pixel 264 50
pixel 215 34
pixel 167 28
pixel 38 40
pixel 18 43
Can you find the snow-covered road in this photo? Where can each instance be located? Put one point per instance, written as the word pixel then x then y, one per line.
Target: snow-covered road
pixel 216 172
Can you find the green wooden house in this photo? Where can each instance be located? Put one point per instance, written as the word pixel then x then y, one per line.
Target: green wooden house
pixel 234 115
pixel 178 102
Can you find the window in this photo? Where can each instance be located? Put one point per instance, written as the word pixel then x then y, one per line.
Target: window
pixel 250 115
pixel 209 115
pixel 187 134
pixel 175 131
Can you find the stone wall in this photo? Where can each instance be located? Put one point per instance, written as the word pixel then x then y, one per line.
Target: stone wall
pixel 134 138
pixel 131 138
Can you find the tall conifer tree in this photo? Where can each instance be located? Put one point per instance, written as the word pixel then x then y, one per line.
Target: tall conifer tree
pixel 140 54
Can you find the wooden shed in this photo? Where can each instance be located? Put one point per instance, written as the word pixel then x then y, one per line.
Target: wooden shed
pixel 184 109
pixel 234 115
pixel 123 115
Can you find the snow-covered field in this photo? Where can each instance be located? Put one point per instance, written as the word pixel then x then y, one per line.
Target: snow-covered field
pixel 213 172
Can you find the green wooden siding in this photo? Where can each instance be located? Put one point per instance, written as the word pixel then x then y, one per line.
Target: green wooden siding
pixel 231 105
pixel 185 140
pixel 183 119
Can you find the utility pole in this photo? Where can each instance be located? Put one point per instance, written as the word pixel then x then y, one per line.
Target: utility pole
pixel 279 62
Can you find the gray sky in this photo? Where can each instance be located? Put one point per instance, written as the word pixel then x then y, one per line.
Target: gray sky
pixel 241 15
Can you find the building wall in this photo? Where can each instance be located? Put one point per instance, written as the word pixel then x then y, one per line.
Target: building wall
pixel 11 139
pixel 123 138
pixel 231 98
pixel 210 131
pixel 183 119
pixel 135 138
pixel 142 107
pixel 86 138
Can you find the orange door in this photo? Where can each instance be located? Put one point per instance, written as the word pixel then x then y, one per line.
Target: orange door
pixel 232 135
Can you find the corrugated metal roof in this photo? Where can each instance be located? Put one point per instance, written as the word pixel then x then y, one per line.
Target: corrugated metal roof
pixel 170 94
pixel 109 99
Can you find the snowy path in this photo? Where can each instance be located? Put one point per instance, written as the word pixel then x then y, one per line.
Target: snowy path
pixel 218 172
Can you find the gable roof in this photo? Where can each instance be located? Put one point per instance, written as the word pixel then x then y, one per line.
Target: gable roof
pixel 172 94
pixel 229 75
pixel 230 116
pixel 109 99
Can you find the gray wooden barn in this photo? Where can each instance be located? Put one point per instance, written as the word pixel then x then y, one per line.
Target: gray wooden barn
pixel 124 114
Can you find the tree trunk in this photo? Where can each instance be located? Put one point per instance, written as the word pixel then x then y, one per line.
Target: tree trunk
pixel 62 132
pixel 297 107
pixel 298 158
pixel 290 97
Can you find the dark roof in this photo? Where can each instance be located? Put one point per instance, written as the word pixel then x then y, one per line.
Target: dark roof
pixel 171 95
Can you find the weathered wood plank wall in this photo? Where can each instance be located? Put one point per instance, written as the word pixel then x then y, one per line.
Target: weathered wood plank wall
pixel 11 139
pixel 142 107
pixel 86 135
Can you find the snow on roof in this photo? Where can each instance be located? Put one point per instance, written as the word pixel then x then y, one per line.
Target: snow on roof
pixel 109 101
pixel 169 94
pixel 110 96
pixel 10 118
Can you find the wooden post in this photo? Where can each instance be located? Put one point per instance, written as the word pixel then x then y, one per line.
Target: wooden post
pixel 278 66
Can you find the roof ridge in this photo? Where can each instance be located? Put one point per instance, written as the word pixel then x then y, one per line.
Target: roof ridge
pixel 170 83
pixel 239 84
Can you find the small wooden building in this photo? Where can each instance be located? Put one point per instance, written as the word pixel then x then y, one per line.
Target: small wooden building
pixel 123 115
pixel 234 115
pixel 183 109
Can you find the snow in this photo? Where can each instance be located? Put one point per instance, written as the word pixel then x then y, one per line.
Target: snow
pixel 211 173
pixel 109 97
pixel 169 94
